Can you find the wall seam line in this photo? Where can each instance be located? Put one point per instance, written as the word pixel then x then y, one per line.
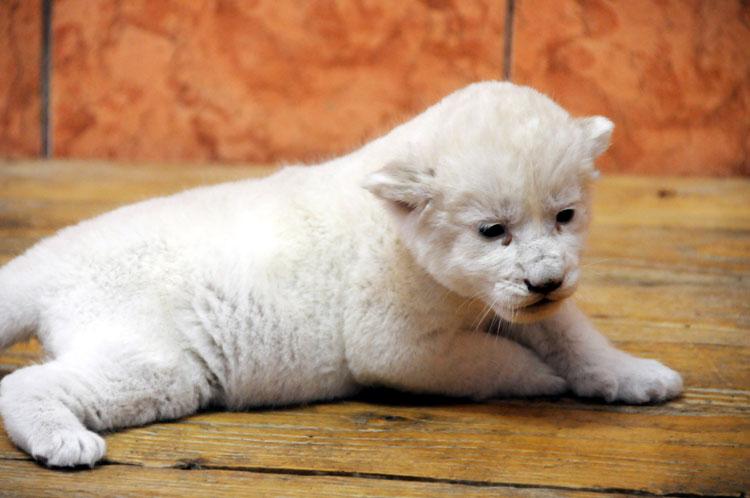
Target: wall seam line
pixel 510 10
pixel 45 74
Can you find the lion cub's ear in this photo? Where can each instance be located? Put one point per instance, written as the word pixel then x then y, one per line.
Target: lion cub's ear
pixel 403 184
pixel 598 132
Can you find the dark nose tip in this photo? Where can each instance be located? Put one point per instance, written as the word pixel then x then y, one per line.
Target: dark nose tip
pixel 544 287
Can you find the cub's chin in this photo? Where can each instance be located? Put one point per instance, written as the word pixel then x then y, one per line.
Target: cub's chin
pixel 531 313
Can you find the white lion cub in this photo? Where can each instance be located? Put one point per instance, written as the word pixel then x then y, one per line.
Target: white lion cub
pixel 305 286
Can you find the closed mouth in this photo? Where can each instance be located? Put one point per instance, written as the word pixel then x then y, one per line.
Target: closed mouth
pixel 539 304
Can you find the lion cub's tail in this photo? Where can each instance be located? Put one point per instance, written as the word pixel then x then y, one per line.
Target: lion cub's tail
pixel 18 304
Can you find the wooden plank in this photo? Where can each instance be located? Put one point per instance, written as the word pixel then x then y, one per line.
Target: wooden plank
pixel 23 478
pixel 692 306
pixel 18 355
pixel 687 203
pixel 91 181
pixel 711 250
pixel 693 204
pixel 704 366
pixel 718 387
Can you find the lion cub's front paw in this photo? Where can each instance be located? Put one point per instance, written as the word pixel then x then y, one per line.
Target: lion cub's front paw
pixel 628 379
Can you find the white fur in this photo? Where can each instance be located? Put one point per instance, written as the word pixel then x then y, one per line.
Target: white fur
pixel 306 286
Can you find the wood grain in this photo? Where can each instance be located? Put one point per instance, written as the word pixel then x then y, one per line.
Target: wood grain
pixel 120 480
pixel 666 277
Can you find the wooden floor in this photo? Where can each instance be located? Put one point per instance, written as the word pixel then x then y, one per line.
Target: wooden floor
pixel 667 276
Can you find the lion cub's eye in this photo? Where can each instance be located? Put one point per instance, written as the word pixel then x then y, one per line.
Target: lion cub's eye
pixel 492 231
pixel 565 216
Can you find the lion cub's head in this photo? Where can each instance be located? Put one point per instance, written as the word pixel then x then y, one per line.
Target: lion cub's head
pixel 491 191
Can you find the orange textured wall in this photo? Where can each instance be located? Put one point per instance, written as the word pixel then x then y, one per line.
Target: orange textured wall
pixel 287 80
pixel 20 51
pixel 257 81
pixel 674 75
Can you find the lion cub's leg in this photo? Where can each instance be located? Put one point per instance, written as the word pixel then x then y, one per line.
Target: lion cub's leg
pixel 50 410
pixel 592 366
pixel 457 363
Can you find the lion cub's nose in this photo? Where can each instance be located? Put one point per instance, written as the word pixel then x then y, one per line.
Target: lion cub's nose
pixel 544 287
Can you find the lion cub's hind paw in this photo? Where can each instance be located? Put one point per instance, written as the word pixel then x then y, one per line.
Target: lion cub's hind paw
pixel 69 448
